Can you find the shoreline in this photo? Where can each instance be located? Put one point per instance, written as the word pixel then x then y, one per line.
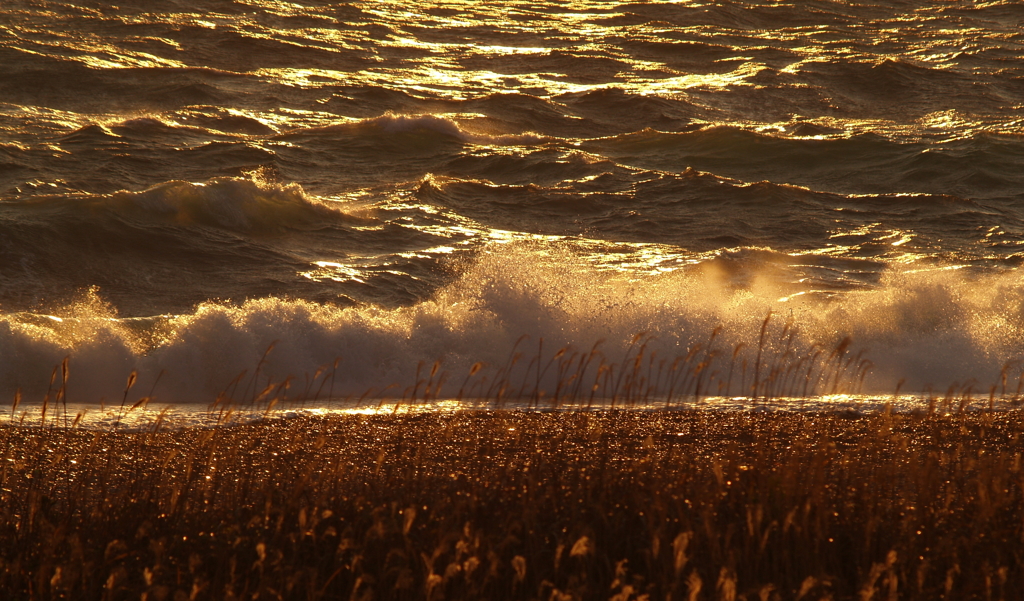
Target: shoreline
pixel 152 415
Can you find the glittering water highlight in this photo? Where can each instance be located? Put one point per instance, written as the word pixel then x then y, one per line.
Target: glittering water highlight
pixel 273 195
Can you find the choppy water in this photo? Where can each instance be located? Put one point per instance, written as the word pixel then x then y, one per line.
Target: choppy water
pixel 369 188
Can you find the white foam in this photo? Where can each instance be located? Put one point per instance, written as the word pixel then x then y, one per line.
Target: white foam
pixel 930 329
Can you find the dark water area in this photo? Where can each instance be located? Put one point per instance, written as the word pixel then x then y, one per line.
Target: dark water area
pixel 369 188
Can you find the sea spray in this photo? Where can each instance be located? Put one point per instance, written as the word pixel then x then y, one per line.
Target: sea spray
pixel 929 329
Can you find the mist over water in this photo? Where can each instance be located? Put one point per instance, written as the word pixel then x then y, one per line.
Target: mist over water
pixel 220 198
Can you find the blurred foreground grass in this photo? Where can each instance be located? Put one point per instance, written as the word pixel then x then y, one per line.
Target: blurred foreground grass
pixel 520 505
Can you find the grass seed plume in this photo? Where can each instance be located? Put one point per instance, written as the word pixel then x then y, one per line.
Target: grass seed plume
pixel 519 505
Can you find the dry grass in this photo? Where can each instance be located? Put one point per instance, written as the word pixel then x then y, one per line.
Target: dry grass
pixel 512 505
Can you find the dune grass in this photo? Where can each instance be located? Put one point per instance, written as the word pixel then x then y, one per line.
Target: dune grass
pixel 621 505
pixel 564 503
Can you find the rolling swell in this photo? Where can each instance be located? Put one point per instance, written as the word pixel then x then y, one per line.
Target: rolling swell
pixel 175 245
pixel 983 165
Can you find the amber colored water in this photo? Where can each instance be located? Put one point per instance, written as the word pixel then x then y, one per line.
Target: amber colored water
pixel 369 188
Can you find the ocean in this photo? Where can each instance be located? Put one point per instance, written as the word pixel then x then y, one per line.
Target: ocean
pixel 544 203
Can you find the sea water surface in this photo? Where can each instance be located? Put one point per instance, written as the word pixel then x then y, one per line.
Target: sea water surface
pixel 541 202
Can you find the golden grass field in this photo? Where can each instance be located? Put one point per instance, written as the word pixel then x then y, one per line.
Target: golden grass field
pixel 617 505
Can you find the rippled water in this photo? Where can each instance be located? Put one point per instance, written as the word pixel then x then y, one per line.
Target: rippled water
pixel 366 189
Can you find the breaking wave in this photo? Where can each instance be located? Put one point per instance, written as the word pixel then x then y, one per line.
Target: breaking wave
pixel 535 320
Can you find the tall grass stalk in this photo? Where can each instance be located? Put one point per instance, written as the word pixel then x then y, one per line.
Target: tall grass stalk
pixel 520 505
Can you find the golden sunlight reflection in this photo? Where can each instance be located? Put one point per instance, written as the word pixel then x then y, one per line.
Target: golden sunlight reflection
pixel 738 76
pixel 303 78
pixel 156 416
pixel 511 300
pixel 429 51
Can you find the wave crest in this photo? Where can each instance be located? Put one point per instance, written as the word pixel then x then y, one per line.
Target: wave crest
pixel 246 205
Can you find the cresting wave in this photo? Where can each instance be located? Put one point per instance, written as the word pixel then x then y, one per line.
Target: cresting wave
pixel 168 247
pixel 389 126
pixel 525 319
pixel 244 205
